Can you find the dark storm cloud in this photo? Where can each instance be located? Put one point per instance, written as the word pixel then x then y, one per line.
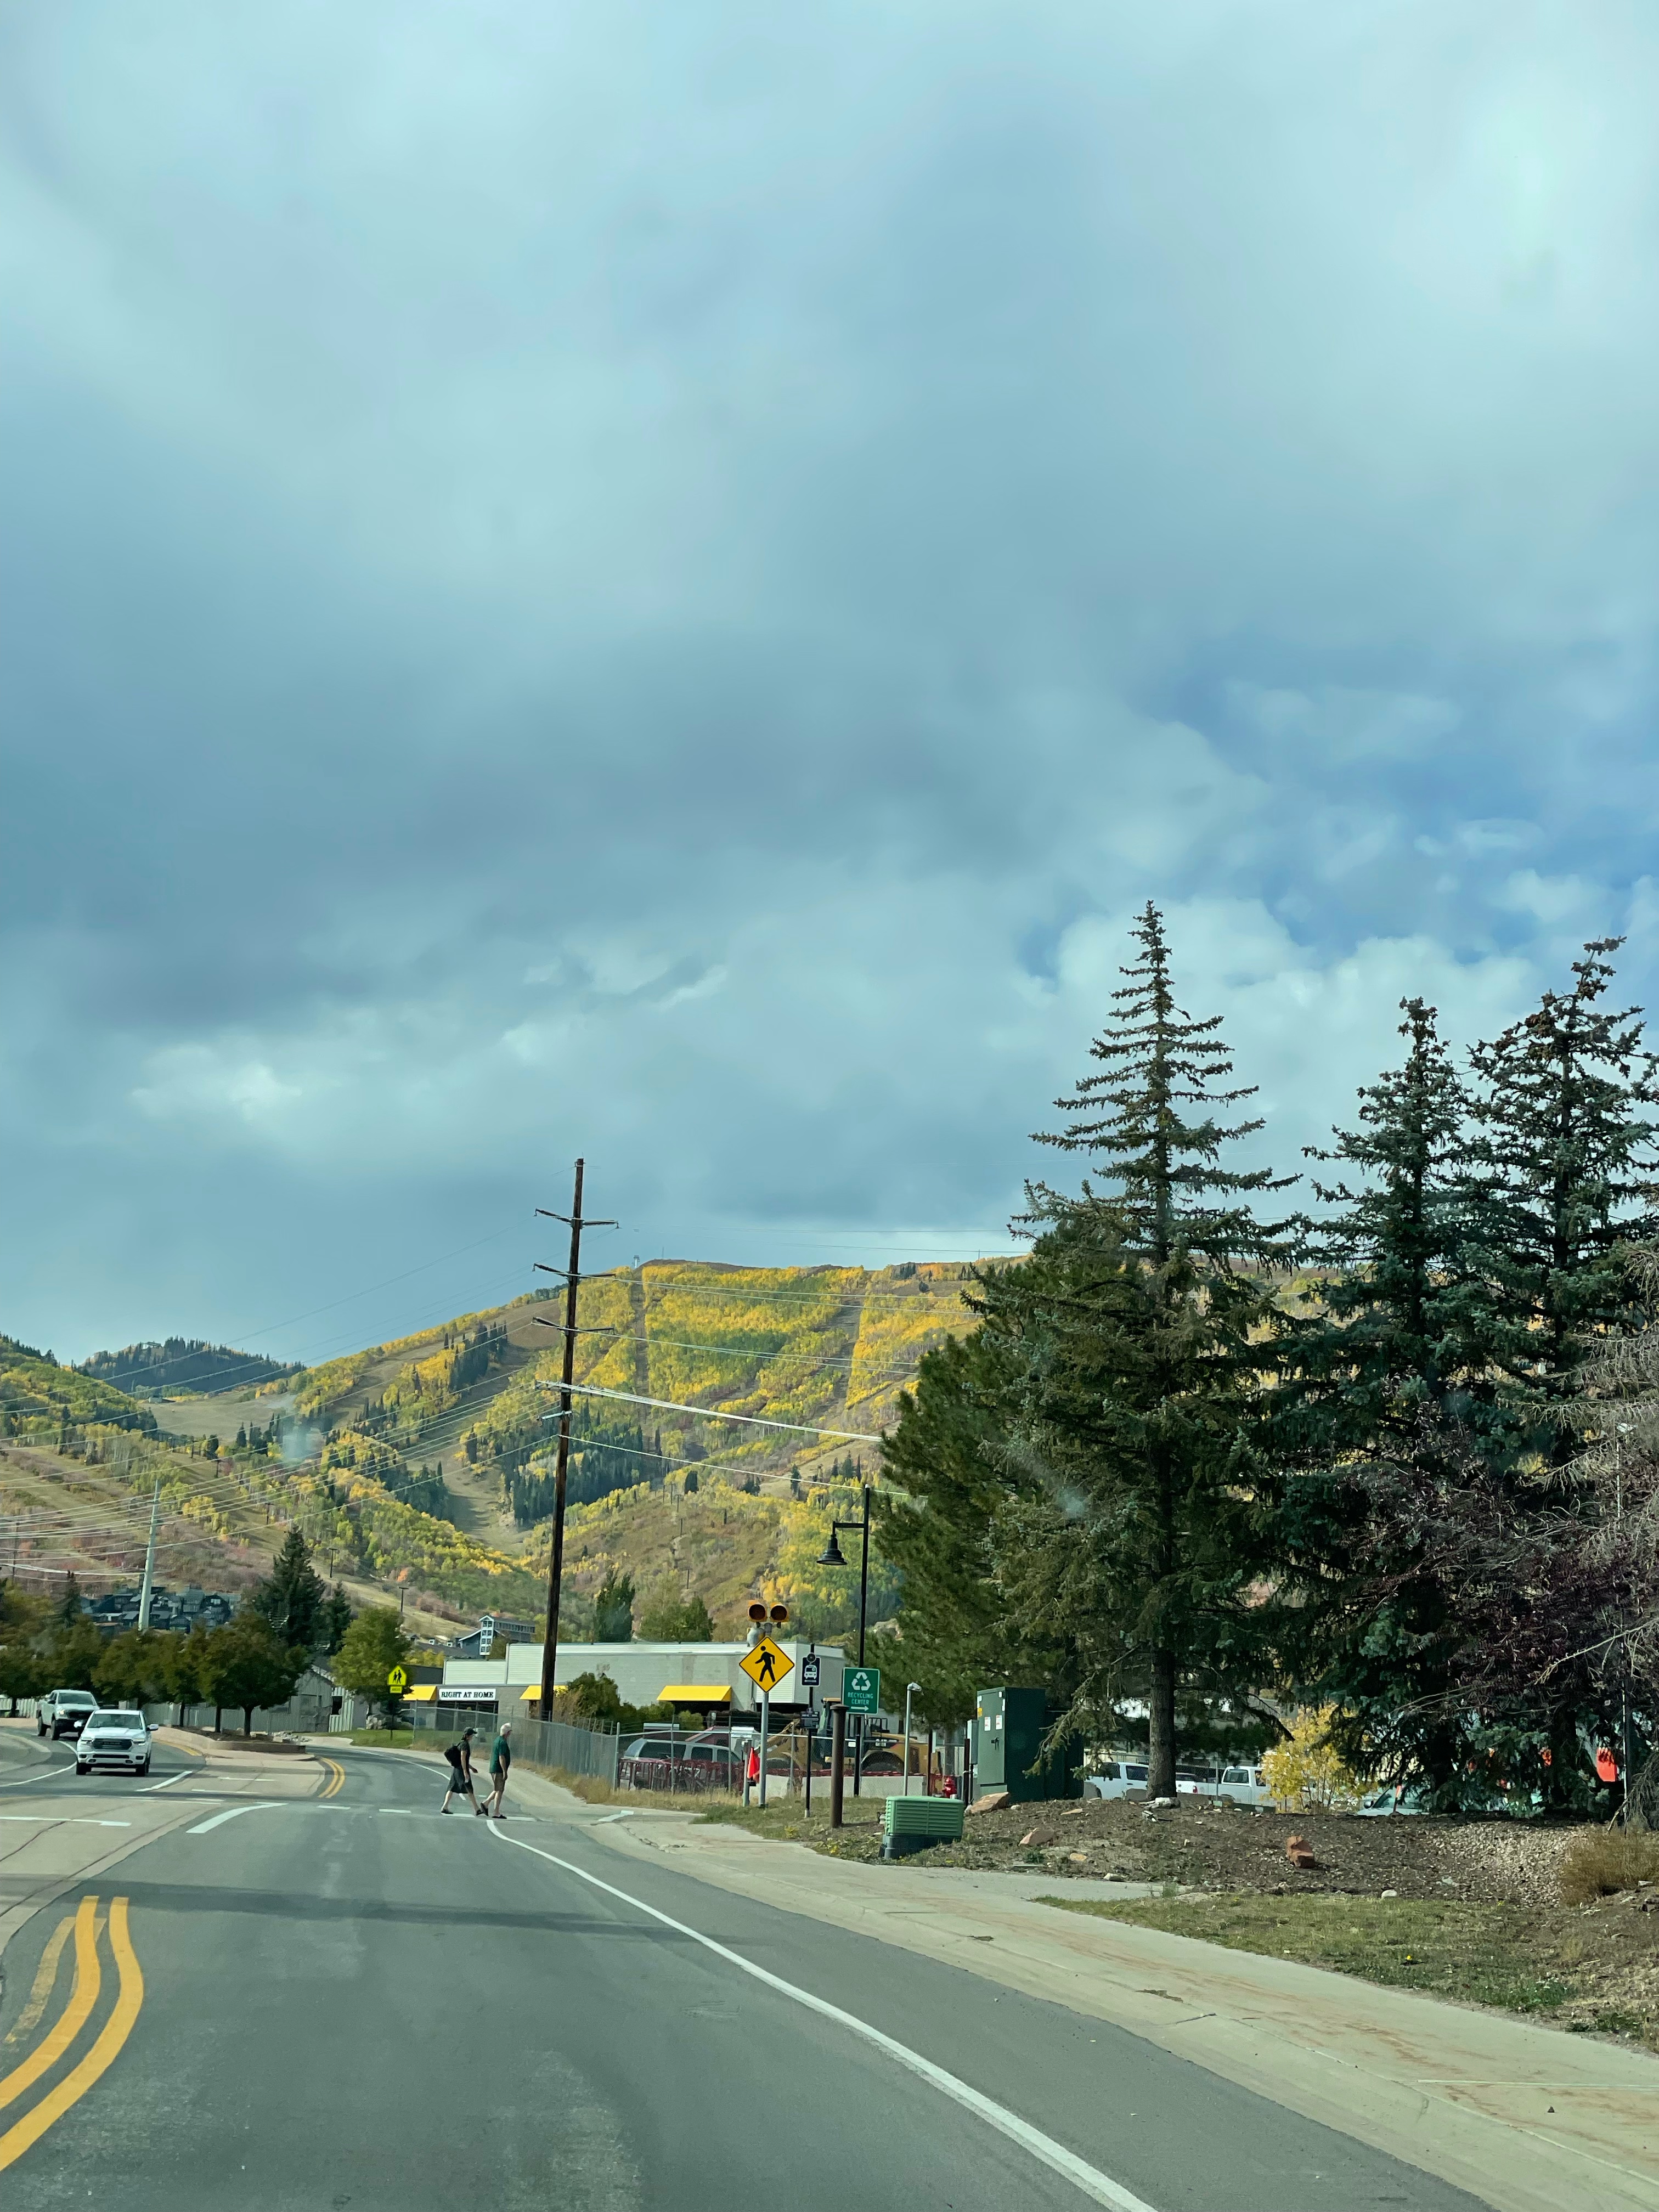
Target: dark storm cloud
pixel 666 583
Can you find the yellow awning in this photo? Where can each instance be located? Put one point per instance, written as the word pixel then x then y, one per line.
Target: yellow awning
pixel 532 1696
pixel 693 1693
pixel 422 1694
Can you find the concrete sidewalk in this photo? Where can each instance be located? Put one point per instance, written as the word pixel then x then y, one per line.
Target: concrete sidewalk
pixel 1528 2118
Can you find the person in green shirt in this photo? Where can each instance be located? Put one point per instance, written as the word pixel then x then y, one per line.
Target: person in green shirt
pixel 500 1762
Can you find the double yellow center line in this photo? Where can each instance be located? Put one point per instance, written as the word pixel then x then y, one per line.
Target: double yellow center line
pixel 336 1781
pixel 87 1925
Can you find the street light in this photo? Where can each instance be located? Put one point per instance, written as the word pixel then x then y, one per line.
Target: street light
pixel 910 1689
pixel 831 1556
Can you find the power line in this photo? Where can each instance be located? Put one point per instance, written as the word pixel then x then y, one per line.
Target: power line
pixel 712 1413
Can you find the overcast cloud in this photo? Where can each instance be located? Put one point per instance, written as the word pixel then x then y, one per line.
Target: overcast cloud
pixel 662 582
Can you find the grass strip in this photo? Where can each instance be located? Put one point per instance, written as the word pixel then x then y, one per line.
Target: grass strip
pixel 1485 1954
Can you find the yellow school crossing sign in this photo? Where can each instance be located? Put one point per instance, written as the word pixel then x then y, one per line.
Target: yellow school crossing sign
pixel 766 1664
pixel 397 1681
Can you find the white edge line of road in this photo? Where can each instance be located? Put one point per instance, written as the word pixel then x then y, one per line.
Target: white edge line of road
pixel 1055 2156
pixel 256 1805
pixel 150 1788
pixel 34 1781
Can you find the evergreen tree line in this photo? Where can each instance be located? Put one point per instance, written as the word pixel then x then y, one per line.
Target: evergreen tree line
pixel 606 1454
pixel 256 1659
pixel 1204 1459
pixel 184 1364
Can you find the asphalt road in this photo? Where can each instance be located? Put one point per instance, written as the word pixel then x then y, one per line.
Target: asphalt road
pixel 352 2002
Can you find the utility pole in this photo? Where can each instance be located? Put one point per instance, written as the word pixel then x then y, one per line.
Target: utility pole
pixel 150 1559
pixel 556 1556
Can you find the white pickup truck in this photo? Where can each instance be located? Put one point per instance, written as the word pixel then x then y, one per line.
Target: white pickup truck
pixel 1125 1777
pixel 64 1713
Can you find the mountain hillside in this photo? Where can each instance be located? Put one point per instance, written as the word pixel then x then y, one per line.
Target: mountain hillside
pixel 424 1466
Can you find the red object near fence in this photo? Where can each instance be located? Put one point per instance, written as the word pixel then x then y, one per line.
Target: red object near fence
pixel 1606 1767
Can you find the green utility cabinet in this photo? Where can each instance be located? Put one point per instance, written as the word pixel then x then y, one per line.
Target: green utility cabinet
pixel 911 1824
pixel 1008 1729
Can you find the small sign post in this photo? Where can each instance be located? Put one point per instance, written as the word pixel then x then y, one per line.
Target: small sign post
pixel 766 1663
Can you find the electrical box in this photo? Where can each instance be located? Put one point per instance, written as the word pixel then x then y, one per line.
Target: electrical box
pixel 1008 1730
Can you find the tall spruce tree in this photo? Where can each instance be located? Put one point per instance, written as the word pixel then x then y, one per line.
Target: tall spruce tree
pixel 1567 1158
pixel 1138 1314
pixel 1383 1387
pixel 1135 1118
pixel 948 1485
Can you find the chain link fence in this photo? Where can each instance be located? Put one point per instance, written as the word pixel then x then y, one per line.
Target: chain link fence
pixel 538 1743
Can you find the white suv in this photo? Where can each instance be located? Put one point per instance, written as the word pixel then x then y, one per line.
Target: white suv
pixel 113 1739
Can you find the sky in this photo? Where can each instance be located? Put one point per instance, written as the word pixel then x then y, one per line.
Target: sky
pixel 663 583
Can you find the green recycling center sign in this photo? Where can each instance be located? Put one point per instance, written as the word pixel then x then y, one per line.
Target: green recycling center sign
pixel 861 1689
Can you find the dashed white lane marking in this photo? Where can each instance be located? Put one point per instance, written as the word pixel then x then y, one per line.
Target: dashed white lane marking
pixel 1055 2156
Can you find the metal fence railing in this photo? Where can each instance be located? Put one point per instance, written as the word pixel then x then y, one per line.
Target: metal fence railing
pixel 542 1743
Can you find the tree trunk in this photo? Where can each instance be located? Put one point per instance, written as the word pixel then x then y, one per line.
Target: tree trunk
pixel 1161 1729
pixel 218 1720
pixel 1561 1775
pixel 248 1720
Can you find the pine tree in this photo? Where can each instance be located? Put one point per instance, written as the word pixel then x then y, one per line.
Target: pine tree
pixel 1566 1159
pixel 291 1600
pixel 613 1609
pixel 948 1485
pixel 1384 1387
pixel 1157 1063
pixel 1141 1373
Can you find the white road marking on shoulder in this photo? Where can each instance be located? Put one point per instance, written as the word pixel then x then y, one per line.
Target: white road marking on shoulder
pixel 259 1805
pixel 62 1821
pixel 34 1781
pixel 1055 2156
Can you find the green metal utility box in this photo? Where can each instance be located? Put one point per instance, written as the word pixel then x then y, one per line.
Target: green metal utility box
pixel 910 1824
pixel 1008 1730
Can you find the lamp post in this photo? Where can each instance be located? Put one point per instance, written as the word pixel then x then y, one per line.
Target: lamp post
pixel 831 1556
pixel 910 1689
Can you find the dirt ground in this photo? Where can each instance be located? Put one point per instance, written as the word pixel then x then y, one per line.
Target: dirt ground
pixel 1226 1846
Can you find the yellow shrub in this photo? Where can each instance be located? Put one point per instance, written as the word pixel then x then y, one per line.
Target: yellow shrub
pixel 1306 1773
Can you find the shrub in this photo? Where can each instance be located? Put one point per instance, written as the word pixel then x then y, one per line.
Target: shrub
pixel 1306 1772
pixel 1604 1860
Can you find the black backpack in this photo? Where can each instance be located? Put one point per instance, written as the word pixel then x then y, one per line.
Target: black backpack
pixel 452 1753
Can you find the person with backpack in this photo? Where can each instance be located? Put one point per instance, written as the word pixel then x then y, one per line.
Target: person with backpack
pixel 460 1756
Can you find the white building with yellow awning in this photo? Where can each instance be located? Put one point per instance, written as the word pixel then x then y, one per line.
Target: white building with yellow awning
pixel 701 1678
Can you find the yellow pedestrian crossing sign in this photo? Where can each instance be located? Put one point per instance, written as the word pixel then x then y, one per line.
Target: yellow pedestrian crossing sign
pixel 397 1681
pixel 766 1664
